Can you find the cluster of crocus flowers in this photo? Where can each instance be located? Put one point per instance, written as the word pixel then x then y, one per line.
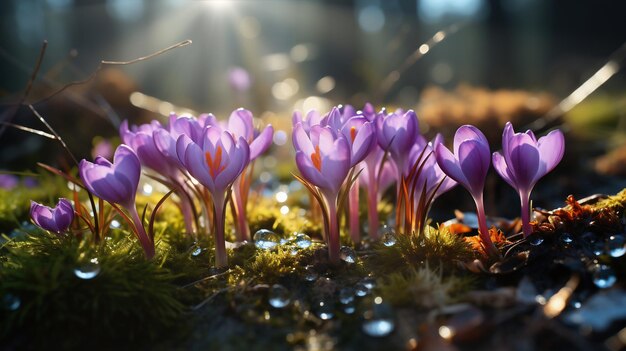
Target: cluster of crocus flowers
pixel 329 147
pixel 386 147
pixel 198 158
pixel 521 163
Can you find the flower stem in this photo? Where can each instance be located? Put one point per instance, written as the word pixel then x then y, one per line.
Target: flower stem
pixel 355 232
pixel 372 205
pixel 483 231
pixel 221 259
pixel 525 203
pixel 185 209
pixel 333 230
pixel 243 230
pixel 146 243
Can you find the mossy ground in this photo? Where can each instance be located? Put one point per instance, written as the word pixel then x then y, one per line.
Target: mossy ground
pixel 178 301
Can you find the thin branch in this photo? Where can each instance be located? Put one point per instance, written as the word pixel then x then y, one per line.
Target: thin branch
pixel 394 76
pixel 56 135
pixel 12 112
pixel 114 63
pixel 30 130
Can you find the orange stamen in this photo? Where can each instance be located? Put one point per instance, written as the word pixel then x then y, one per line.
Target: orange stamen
pixel 353 133
pixel 316 158
pixel 214 164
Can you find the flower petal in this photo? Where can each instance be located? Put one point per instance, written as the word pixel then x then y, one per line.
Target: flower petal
pixel 450 165
pixel 474 161
pixel 262 142
pixel 499 163
pixel 551 149
pixel 468 132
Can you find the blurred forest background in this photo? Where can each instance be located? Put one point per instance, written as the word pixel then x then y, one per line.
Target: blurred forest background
pixel 485 62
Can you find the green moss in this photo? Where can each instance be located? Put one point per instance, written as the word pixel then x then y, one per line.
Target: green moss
pixel 422 287
pixel 617 201
pixel 435 247
pixel 130 301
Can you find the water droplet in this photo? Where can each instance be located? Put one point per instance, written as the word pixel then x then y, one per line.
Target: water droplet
pixel 196 252
pixel 368 282
pixel 11 302
pixel 535 239
pixel 576 304
pixel 566 238
pixel 378 321
pixel 265 239
pixel 616 245
pixel 361 290
pixel 283 241
pixel 604 277
pixel 88 270
pixel 278 296
pixel 302 240
pixel 325 310
pixel 346 295
pixel 310 274
pixel 598 248
pixel 347 254
pixel 389 237
pixel 349 308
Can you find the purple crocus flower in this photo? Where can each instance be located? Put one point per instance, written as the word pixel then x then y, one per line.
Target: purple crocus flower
pixel 140 139
pixel 215 162
pixel 240 124
pixel 57 219
pixel 323 159
pixel 146 140
pixel 361 136
pixel 398 132
pixel 524 160
pixel 468 166
pixel 117 183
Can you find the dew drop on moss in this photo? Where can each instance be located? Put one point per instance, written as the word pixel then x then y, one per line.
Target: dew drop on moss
pixel 347 254
pixel 616 245
pixel 278 296
pixel 88 270
pixel 378 321
pixel 325 310
pixel 302 240
pixel 604 277
pixel 566 238
pixel 310 274
pixel 389 237
pixel 265 239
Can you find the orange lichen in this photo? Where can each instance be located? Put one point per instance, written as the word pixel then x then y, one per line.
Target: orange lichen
pixel 497 237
